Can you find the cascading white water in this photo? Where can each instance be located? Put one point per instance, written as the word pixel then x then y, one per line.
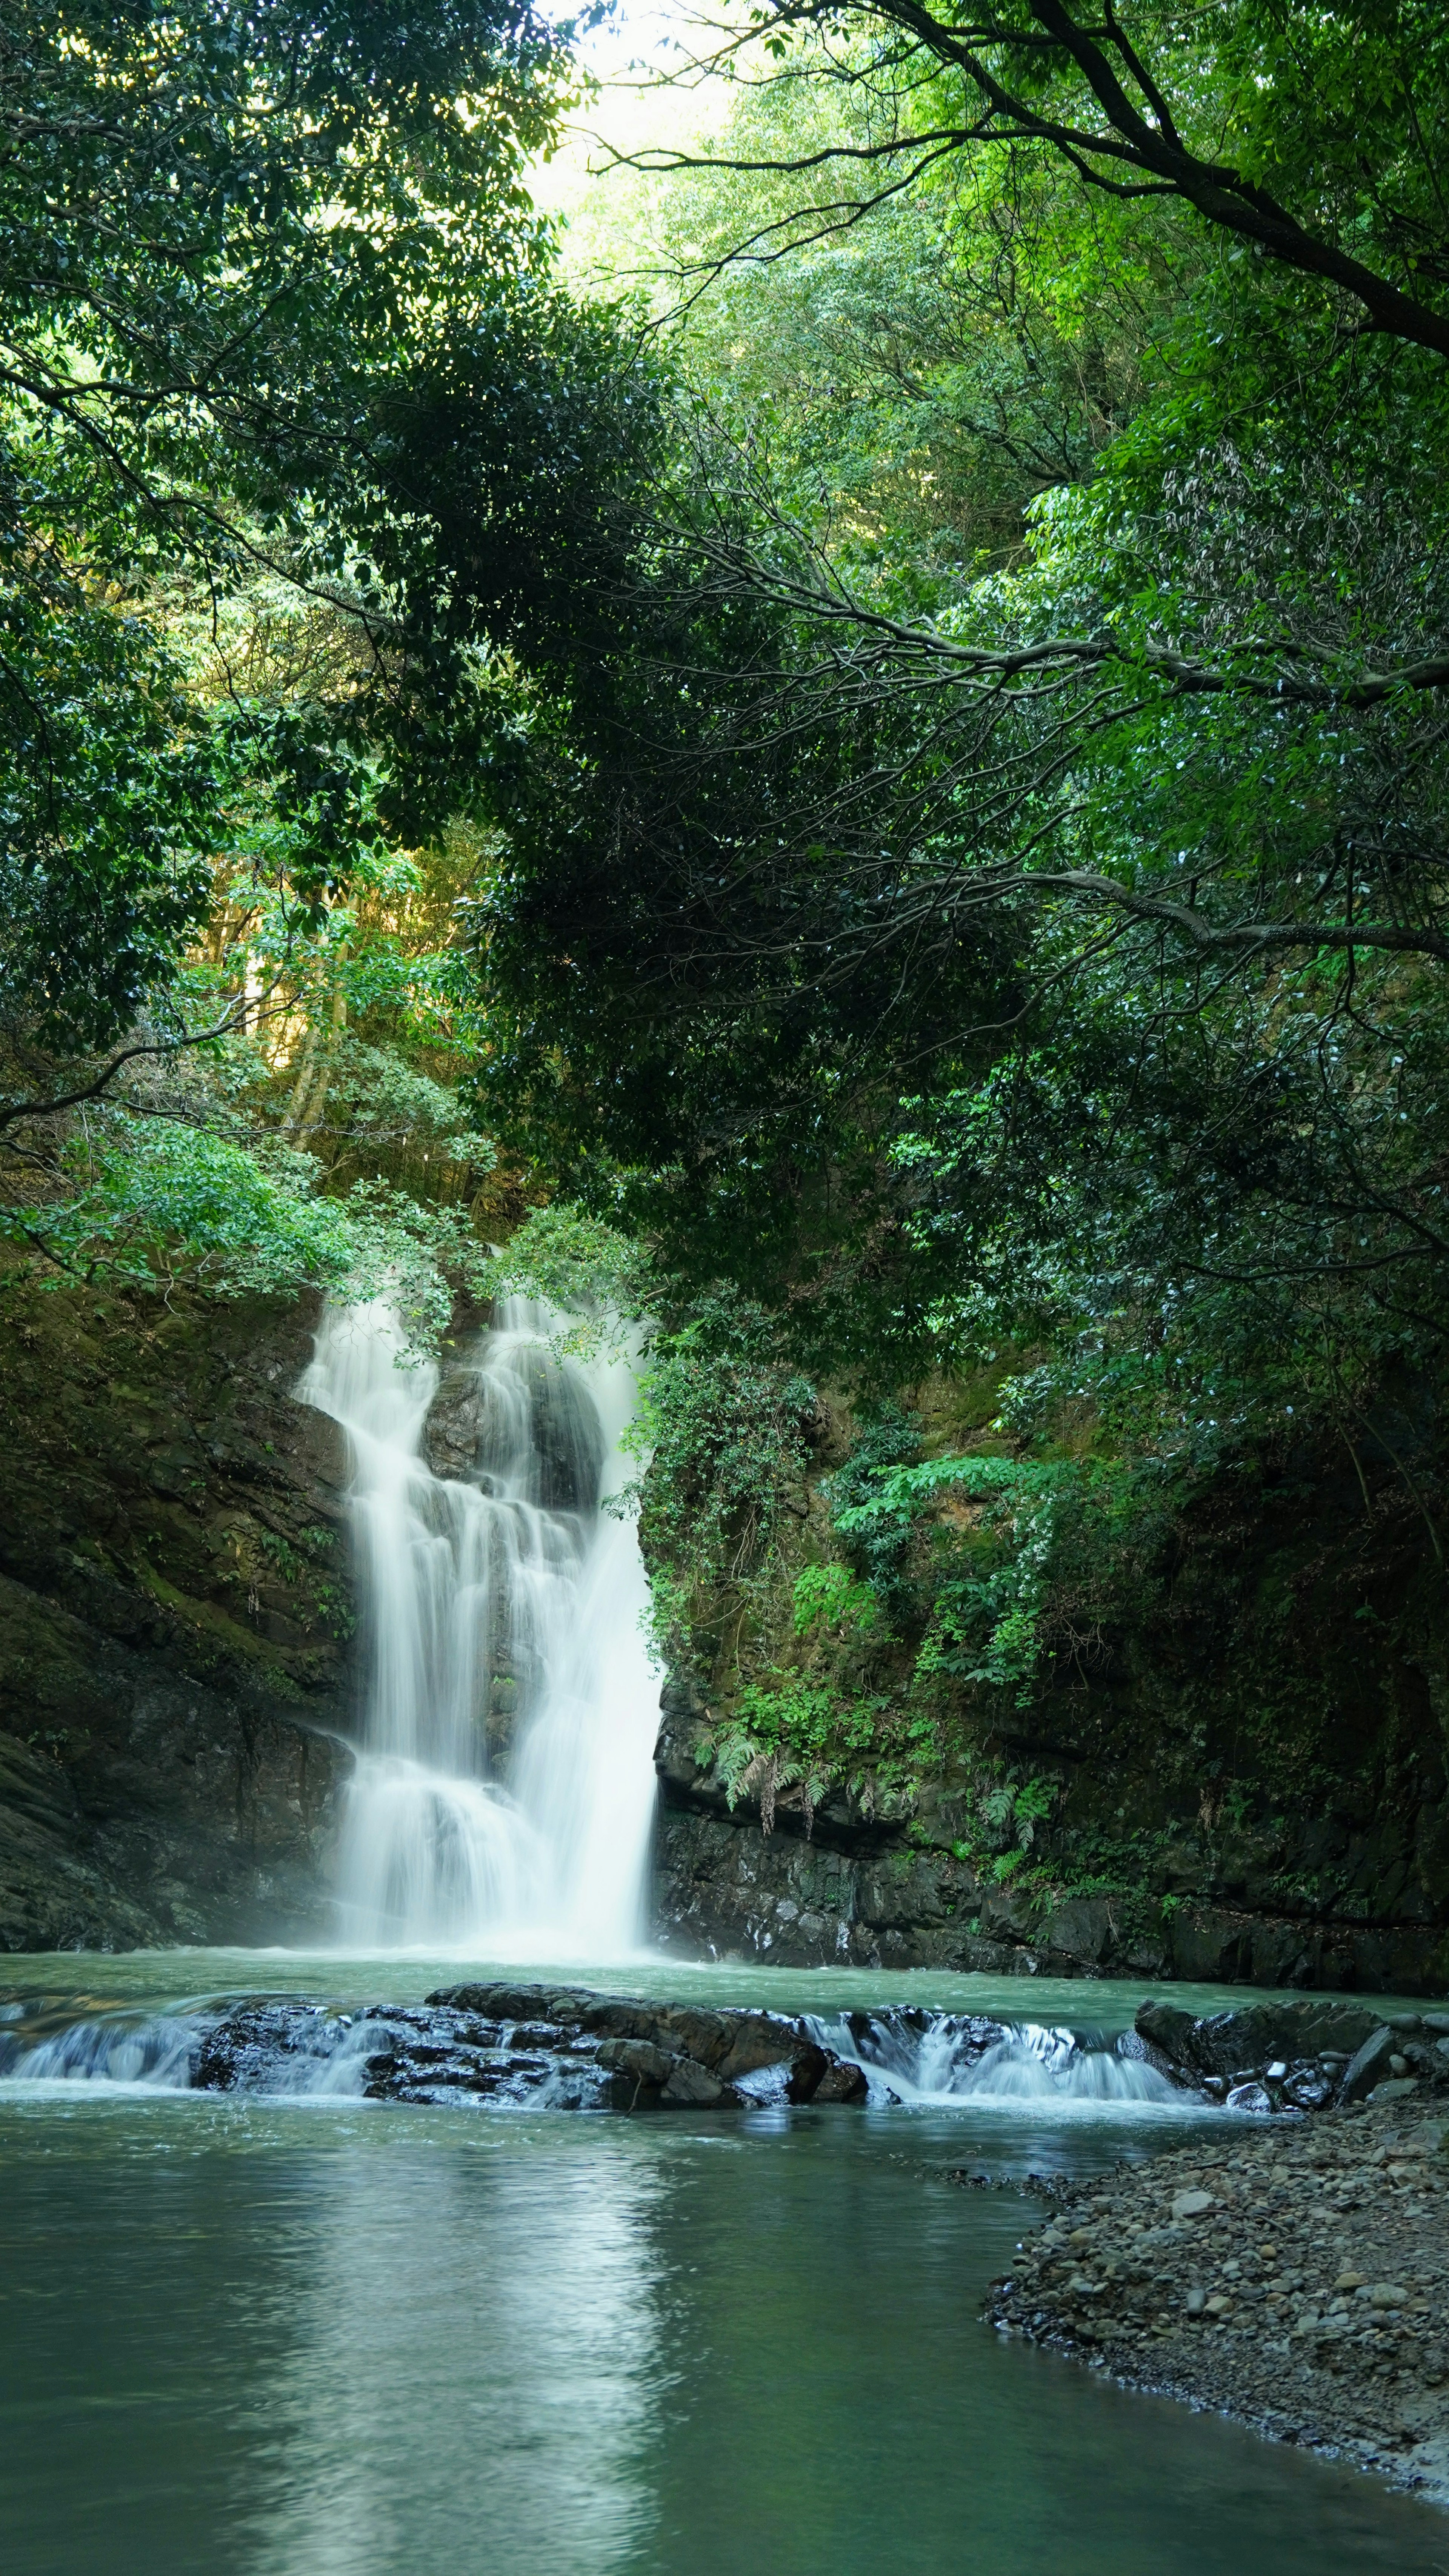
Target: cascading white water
pixel 944 2058
pixel 503 1794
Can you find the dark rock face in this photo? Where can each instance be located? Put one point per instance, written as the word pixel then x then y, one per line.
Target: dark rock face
pixel 860 1894
pixel 858 1891
pixel 566 2049
pixel 1246 1779
pixel 1299 2057
pixel 852 1892
pixel 174 1610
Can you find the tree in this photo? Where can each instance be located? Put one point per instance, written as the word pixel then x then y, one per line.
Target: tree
pixel 241 249
pixel 226 234
pixel 1134 834
pixel 1316 136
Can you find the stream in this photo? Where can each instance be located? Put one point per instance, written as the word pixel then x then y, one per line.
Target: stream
pixel 329 2337
pixel 287 2330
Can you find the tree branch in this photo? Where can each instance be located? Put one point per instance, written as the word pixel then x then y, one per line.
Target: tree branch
pixel 1133 153
pixel 13 1112
pixel 1213 938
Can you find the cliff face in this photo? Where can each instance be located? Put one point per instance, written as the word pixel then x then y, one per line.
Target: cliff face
pixel 175 1610
pixel 1247 1782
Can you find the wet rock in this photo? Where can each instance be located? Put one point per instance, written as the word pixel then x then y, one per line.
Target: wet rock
pixel 680 2052
pixel 694 2085
pixel 1172 2033
pixel 1369 2066
pixel 1266 2058
pixel 638 2058
pixel 1251 2099
pixel 265 2047
pixel 560 2047
pixel 841 2082
pixel 172 1586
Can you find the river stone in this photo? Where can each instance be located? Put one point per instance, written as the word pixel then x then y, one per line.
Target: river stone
pixel 1192 2204
pixel 841 2082
pixel 1169 2030
pixel 1367 2066
pixel 1250 2097
pixel 637 2057
pixel 692 2084
pixel 728 2046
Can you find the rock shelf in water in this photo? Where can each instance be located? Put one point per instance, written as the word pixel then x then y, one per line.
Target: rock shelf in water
pixel 561 2047
pixel 1295 2277
pixel 1298 2056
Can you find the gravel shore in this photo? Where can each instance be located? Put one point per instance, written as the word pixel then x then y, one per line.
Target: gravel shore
pixel 1296 2278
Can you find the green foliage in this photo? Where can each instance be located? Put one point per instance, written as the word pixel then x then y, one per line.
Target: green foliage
pixel 1133 1009
pixel 887 1441
pixel 1040 1562
pixel 1030 928
pixel 159 1205
pixel 790 1731
pixel 916 377
pixel 573 1261
pixel 723 1423
pixel 829 1596
pixel 111 787
pixel 229 238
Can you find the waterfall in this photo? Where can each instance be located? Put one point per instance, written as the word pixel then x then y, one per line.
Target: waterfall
pixel 503 1794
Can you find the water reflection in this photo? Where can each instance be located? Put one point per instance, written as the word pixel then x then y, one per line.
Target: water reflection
pixel 493 2313
pixel 268 2340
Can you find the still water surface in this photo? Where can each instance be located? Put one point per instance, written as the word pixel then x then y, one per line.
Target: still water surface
pixel 333 2339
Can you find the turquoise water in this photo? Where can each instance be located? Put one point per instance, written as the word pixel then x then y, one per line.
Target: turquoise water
pixel 335 2339
pixel 158 1977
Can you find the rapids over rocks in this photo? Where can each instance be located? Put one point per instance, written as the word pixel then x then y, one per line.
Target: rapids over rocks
pixel 562 2048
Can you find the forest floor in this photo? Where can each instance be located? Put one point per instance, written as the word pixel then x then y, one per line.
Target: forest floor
pixel 1295 2277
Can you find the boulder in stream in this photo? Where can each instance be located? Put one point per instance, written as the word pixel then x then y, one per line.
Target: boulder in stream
pixel 1293 2056
pixel 556 2047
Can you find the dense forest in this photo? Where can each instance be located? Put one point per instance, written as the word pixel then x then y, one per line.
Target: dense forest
pixel 857 779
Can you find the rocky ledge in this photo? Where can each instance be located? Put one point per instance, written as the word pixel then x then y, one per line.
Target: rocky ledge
pixel 1295 2277
pixel 557 2048
pixel 1296 2057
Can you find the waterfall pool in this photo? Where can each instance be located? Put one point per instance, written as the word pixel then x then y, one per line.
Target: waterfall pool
pixel 333 2338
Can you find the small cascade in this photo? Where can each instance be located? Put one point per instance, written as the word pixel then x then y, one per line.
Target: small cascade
pixel 155 2049
pixel 503 2045
pixel 924 2057
pixel 503 1793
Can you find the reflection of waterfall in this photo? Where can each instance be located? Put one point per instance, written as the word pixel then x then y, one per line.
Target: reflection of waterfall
pixel 504 1790
pixel 468 2378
